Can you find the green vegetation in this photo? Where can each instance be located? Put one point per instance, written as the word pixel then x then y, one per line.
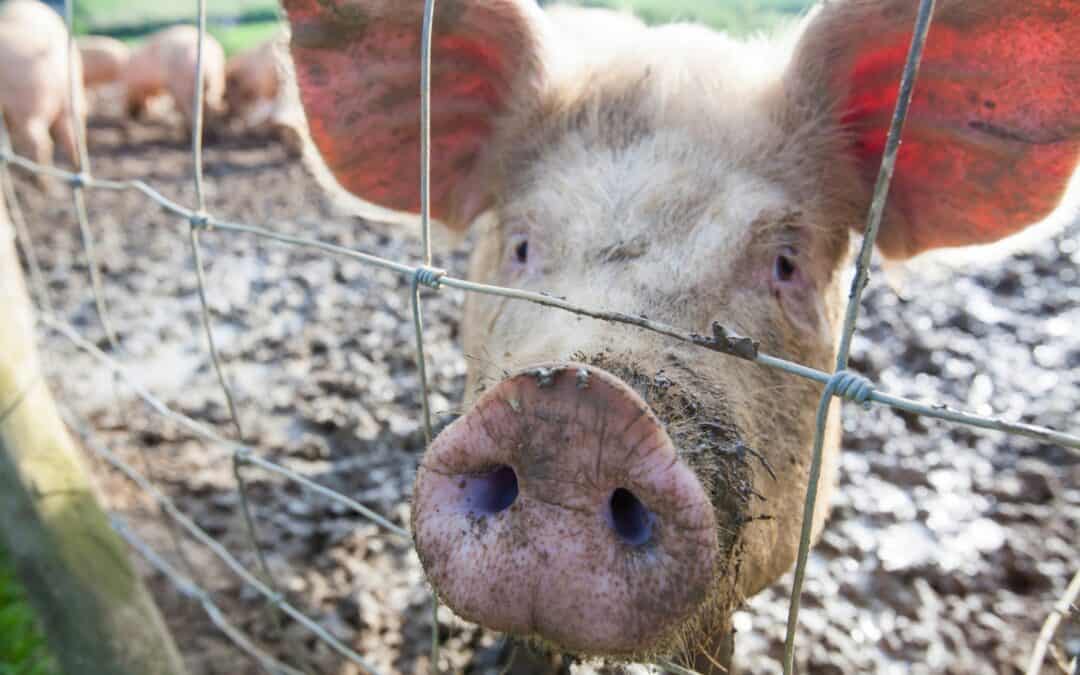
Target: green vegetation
pixel 22 646
pixel 734 16
pixel 103 15
pixel 240 37
pixel 239 24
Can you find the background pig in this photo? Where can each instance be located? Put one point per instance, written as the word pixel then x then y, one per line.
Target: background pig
pixel 34 92
pixel 608 492
pixel 253 82
pixel 105 62
pixel 104 59
pixel 165 64
pixel 256 95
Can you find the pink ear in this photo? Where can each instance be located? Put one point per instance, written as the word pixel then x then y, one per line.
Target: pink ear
pixel 358 71
pixel 993 134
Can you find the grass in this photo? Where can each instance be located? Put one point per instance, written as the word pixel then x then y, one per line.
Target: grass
pixel 22 646
pixel 101 15
pixel 239 24
pixel 734 16
pixel 239 37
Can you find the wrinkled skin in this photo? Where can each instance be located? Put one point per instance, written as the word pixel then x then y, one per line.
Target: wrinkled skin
pixel 34 92
pixel 609 492
pixel 255 93
pixel 165 65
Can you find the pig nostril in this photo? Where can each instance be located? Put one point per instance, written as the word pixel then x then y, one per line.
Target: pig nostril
pixel 629 517
pixel 492 492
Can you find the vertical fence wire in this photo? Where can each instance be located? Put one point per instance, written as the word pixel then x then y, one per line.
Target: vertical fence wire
pixel 841 379
pixel 425 274
pixel 1062 608
pixel 425 127
pixel 22 232
pixel 79 184
pixel 197 222
pixel 81 160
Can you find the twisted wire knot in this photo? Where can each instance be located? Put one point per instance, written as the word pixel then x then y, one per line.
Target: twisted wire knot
pixel 852 386
pixel 79 180
pixel 199 220
pixel 429 276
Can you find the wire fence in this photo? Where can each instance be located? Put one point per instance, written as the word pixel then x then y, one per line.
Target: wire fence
pixel 841 382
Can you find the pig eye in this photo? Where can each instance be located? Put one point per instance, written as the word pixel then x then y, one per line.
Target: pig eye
pixel 784 268
pixel 517 251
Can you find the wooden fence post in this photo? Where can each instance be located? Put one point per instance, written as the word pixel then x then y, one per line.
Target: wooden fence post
pixel 98 617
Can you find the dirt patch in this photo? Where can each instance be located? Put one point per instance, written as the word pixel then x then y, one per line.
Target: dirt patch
pixel 946 548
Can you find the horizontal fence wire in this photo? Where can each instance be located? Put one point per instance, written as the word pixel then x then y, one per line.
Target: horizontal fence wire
pixel 722 341
pixel 841 383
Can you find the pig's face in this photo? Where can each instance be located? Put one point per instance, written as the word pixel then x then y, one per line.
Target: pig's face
pixel 608 491
pixel 239 97
pixel 660 216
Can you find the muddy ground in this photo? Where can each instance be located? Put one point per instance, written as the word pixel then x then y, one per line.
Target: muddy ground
pixel 946 548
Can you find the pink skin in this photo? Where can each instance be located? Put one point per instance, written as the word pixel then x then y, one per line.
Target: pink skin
pixel 104 60
pixel 557 465
pixel 165 64
pixel 679 174
pixel 252 83
pixel 34 90
pixel 255 94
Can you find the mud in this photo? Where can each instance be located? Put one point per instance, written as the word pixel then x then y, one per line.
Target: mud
pixel 946 548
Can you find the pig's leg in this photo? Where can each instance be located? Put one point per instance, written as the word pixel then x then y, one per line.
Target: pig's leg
pixel 65 137
pixel 31 139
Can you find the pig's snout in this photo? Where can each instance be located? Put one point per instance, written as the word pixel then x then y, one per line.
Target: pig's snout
pixel 558 508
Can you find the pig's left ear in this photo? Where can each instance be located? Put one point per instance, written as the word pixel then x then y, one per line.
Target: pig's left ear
pixel 357 66
pixel 993 133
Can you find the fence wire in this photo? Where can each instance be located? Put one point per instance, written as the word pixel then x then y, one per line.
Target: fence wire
pixel 840 383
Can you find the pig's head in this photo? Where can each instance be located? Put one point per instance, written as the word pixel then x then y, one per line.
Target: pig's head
pixel 608 491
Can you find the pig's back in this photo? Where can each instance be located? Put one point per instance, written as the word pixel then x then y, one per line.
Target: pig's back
pixel 33 57
pixel 104 58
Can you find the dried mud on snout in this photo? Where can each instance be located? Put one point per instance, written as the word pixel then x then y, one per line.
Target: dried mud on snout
pixel 558 508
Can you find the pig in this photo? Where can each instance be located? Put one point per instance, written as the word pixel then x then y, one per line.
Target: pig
pixel 35 95
pixel 609 492
pixel 105 62
pixel 165 64
pixel 252 82
pixel 104 59
pixel 256 94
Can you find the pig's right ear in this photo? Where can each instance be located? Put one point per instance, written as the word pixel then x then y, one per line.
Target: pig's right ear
pixel 992 136
pixel 358 72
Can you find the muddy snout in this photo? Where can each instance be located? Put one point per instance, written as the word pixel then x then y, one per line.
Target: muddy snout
pixel 558 508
